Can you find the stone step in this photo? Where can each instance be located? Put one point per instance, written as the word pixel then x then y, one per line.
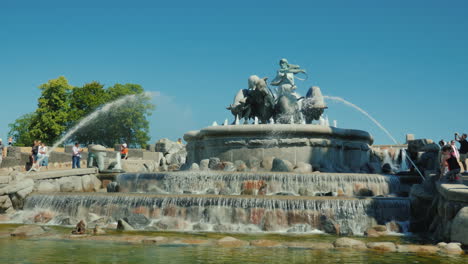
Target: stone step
pixel 61 173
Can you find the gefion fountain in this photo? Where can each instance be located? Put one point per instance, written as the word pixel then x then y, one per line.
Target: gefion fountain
pixel 278 173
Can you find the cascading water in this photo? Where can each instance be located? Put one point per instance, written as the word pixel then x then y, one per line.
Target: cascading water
pixel 235 183
pixel 404 161
pixel 341 100
pixel 85 121
pixel 226 213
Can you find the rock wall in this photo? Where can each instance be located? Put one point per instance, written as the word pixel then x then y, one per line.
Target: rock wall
pixel 440 210
pixel 15 187
pixel 22 161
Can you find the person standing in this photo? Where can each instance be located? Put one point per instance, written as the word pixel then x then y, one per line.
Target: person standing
pixel 1 152
pixel 124 151
pixel 452 163
pixel 35 152
pixel 43 156
pixel 10 141
pixel 463 149
pixel 76 156
pixel 455 149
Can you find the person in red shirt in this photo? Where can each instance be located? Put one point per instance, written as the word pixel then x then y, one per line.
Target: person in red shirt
pixel 124 151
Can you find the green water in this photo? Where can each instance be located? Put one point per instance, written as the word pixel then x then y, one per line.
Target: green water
pixel 58 250
pixel 43 251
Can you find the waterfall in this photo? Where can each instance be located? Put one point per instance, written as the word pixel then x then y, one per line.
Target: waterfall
pixel 233 183
pixel 388 159
pixel 228 213
pixel 404 161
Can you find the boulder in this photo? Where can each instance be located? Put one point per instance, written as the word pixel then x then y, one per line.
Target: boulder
pixel 132 165
pixel 28 231
pixel 418 145
pixel 459 232
pixel 5 203
pixel 240 165
pixel 383 246
pixel 345 242
pixel 280 165
pixel 231 242
pixel 5 179
pixel 253 163
pixel 417 249
pixel 265 243
pixel 137 220
pixel 329 226
pixel 267 163
pixel 167 146
pixel 214 164
pixel 204 164
pixel 71 184
pixel 302 167
pixel 194 167
pixel 229 166
pixel 24 192
pixel 432 147
pixel 309 245
pixel 450 248
pixel 97 184
pixel 178 157
pixel 47 186
pixel 124 226
pixel 88 185
pixel 16 186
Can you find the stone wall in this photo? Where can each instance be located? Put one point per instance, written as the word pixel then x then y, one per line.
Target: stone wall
pixel 324 147
pixel 440 210
pixel 22 160
pixel 16 186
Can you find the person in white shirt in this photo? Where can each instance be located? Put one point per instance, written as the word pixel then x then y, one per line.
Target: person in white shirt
pixel 76 156
pixel 42 155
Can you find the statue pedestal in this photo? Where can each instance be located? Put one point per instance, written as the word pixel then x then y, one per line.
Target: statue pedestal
pixel 321 146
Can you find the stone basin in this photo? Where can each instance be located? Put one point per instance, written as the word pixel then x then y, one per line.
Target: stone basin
pixel 321 146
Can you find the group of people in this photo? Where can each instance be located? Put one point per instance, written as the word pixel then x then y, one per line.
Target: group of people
pixel 451 157
pixel 39 155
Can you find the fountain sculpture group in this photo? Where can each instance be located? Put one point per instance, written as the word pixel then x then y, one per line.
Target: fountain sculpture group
pixel 280 174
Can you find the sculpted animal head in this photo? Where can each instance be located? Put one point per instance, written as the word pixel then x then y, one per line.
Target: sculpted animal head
pixel 252 81
pixel 261 84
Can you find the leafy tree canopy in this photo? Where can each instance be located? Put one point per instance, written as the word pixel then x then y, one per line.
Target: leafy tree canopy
pixel 123 110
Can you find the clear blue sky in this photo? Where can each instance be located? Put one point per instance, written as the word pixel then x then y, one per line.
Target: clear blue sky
pixel 405 62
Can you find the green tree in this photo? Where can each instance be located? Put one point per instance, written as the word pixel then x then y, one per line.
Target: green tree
pixel 83 101
pixel 62 107
pixel 125 122
pixel 20 130
pixel 52 114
